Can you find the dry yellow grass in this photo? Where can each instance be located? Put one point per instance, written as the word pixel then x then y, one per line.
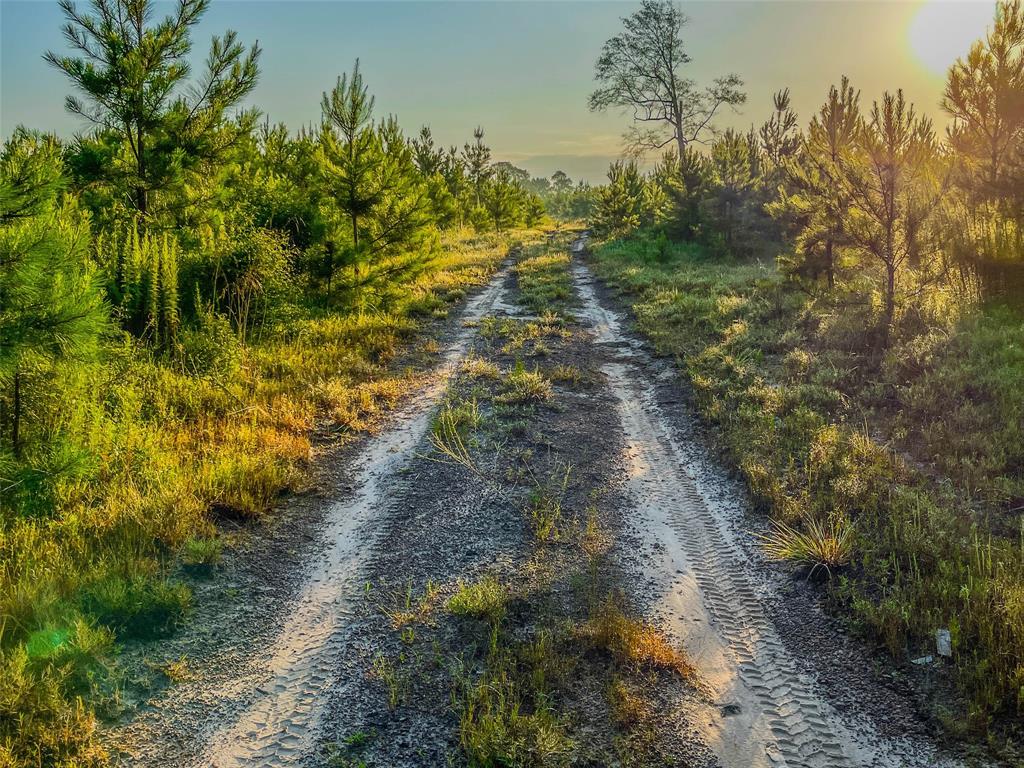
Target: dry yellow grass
pixel 633 642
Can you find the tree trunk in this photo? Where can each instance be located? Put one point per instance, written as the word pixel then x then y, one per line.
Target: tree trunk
pixel 141 196
pixel 16 422
pixel 681 147
pixel 890 303
pixel 830 269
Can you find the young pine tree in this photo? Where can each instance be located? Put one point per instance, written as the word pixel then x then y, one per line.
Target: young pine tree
pixel 620 203
pixel 370 174
pixel 734 173
pixel 895 180
pixel 814 201
pixel 51 306
pixel 502 197
pixel 350 154
pixel 477 160
pixel 133 75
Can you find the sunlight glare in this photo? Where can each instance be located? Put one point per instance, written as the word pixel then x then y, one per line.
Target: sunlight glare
pixel 942 31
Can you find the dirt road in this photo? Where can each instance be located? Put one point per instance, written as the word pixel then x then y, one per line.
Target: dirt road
pixel 340 650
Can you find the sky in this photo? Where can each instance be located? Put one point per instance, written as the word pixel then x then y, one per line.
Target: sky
pixel 523 70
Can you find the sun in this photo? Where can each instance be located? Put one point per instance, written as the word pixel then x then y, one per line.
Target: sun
pixel 941 31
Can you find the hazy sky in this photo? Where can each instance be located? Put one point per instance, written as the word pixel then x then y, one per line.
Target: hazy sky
pixel 523 70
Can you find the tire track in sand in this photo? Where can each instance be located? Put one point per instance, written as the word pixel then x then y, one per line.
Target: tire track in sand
pixel 273 717
pixel 771 715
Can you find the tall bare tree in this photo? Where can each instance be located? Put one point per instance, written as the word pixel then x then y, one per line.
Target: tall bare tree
pixel 640 70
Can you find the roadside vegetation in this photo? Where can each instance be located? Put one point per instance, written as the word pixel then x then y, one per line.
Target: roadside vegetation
pixel 545 285
pixel 848 304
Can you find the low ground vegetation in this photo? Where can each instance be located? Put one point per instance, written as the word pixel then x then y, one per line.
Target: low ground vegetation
pixel 846 301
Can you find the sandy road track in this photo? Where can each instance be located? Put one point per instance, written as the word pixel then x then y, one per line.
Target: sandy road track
pixel 769 713
pixel 277 723
pixel 292 680
pixel 268 710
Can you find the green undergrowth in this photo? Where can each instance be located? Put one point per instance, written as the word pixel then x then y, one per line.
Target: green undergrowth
pixel 545 284
pixel 917 451
pixel 164 449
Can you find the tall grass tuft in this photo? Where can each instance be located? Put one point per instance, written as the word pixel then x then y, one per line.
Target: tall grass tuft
pixel 827 545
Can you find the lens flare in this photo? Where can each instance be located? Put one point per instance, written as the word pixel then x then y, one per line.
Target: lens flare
pixel 941 31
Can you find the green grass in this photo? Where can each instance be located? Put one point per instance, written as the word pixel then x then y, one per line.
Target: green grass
pixel 505 724
pixel 545 285
pixel 158 452
pixel 524 387
pixel 484 599
pixel 919 448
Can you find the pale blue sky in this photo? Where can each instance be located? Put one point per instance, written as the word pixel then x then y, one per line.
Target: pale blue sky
pixel 523 69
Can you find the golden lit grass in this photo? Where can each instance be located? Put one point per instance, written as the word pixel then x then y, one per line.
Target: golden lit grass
pixel 477 368
pixel 632 642
pixel 484 599
pixel 360 406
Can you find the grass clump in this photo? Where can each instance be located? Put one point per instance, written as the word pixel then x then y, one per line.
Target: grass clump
pixel 137 606
pixel 545 506
pixel 486 599
pixel 201 555
pixel 824 545
pixel 566 374
pixel 478 368
pixel 523 387
pixel 502 726
pixel 632 642
pixel 448 434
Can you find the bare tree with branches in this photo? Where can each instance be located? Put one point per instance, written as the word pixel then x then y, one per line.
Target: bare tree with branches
pixel 639 70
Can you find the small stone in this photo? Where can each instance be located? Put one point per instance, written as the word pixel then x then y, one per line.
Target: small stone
pixel 943 642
